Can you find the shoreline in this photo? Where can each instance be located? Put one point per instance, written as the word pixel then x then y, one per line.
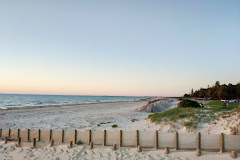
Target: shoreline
pixel 66 104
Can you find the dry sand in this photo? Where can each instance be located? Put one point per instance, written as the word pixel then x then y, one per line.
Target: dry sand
pixel 70 117
pixel 11 152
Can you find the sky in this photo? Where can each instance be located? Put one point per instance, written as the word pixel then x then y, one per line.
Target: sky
pixel 109 47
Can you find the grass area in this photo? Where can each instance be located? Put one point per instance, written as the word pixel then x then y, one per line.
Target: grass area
pixel 191 117
pixel 218 105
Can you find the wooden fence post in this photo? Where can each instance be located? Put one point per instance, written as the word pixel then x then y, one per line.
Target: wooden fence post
pixel 34 142
pixel 52 143
pixel 62 136
pixel 120 138
pixel 139 148
pixel 70 144
pixel 18 133
pixel 39 135
pixel 28 135
pixel 198 152
pixel 114 147
pixel 9 133
pixel 156 139
pixel 176 140
pixel 1 133
pixel 233 154
pixel 91 145
pixel 50 135
pixel 89 137
pixel 5 140
pixel 19 141
pixel 137 138
pixel 104 137
pixel 166 150
pixel 75 136
pixel 198 140
pixel 222 142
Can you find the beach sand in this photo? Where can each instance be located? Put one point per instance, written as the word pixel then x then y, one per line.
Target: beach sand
pixel 101 116
pixel 9 151
pixel 77 116
pixel 96 116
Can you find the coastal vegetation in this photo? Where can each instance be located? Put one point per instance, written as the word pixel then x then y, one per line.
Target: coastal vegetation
pixel 188 103
pixel 114 126
pixel 79 142
pixel 191 117
pixel 217 91
pixel 102 123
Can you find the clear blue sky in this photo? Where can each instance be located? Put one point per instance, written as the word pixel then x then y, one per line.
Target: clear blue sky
pixel 135 47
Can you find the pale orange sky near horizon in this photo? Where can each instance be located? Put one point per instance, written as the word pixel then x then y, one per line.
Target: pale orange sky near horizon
pixel 45 83
pixel 34 81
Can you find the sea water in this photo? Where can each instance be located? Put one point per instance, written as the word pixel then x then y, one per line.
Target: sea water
pixel 14 100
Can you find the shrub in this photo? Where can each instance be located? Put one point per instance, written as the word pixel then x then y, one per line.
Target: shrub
pixel 188 103
pixel 114 126
pixel 133 120
pixel 79 142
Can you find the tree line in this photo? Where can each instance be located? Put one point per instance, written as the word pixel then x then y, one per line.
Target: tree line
pixel 217 91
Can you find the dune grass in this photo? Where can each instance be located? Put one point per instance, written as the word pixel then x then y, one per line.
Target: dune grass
pixel 191 117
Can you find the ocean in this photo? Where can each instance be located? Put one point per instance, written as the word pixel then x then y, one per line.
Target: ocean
pixel 15 100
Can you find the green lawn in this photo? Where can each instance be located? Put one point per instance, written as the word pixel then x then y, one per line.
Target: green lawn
pixel 191 117
pixel 217 106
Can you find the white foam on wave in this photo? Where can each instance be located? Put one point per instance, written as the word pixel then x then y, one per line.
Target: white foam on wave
pixel 3 108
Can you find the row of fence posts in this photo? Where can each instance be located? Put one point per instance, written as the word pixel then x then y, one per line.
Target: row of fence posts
pixel 198 147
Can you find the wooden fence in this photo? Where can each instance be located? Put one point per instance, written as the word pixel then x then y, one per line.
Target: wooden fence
pixel 145 139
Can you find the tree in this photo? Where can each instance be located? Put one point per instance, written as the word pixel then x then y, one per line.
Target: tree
pixel 202 92
pixel 192 92
pixel 217 91
pixel 210 92
pixel 217 84
pixel 222 92
pixel 231 91
pixel 238 89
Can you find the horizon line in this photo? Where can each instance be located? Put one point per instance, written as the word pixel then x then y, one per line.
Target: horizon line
pixel 75 95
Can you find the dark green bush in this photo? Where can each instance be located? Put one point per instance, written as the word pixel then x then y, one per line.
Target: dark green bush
pixel 114 126
pixel 79 142
pixel 188 103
